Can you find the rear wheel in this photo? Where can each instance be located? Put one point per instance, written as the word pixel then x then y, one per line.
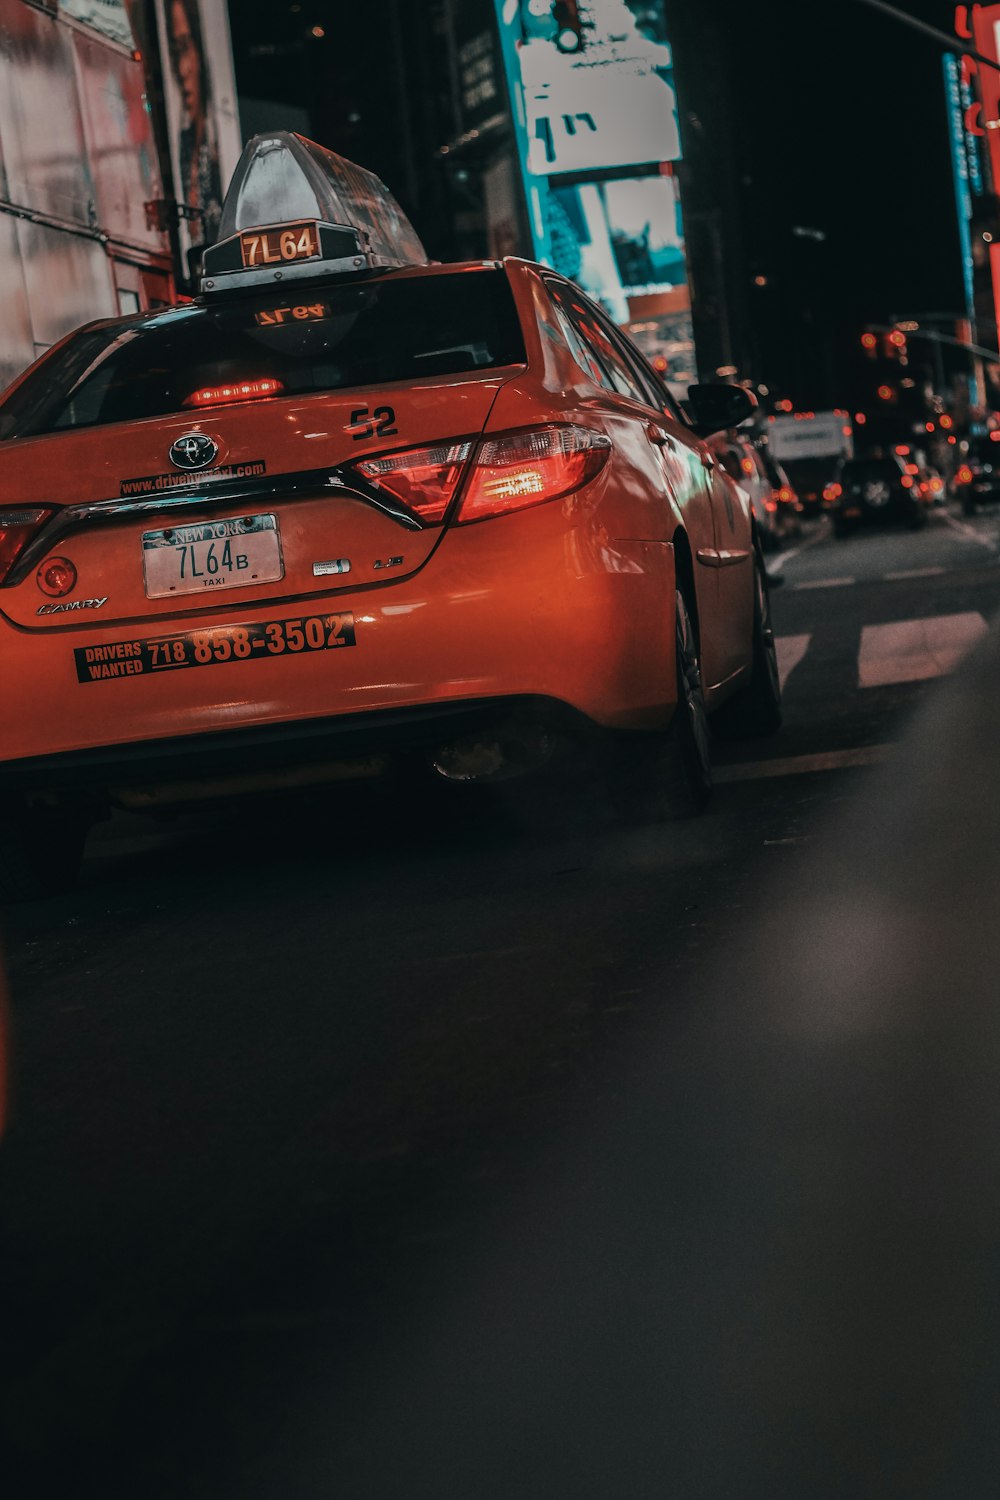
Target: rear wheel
pixel 41 851
pixel 669 775
pixel 755 709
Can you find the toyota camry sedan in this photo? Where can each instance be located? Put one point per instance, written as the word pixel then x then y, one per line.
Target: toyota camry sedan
pixel 349 508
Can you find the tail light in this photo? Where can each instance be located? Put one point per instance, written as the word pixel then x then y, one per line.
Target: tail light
pixel 17 527
pixel 531 467
pixel 964 475
pixel 906 480
pixel 771 506
pixel 237 390
pixel 423 479
pixel 832 492
pixel 785 494
pixel 508 473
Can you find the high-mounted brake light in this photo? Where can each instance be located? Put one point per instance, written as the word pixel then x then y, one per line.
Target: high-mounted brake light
pixel 239 390
pixel 531 467
pixel 17 527
pixel 424 479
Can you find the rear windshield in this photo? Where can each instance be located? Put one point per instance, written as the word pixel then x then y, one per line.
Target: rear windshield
pixel 860 471
pixel 381 330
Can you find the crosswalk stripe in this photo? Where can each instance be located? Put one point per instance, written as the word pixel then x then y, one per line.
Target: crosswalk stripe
pixel 914 650
pixel 791 649
pixel 912 573
pixel 822 583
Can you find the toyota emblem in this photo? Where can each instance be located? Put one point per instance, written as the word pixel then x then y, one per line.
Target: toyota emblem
pixel 195 450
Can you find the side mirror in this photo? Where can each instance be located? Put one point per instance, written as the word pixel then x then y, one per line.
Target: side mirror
pixel 716 407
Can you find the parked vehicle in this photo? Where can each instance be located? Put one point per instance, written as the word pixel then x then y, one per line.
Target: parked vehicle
pixel 742 462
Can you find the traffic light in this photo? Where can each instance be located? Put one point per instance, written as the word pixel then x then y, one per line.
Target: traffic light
pixel 569 27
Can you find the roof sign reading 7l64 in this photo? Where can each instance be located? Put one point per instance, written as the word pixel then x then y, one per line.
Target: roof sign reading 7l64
pixel 275 247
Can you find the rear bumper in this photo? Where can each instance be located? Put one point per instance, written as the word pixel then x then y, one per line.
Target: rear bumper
pixel 525 608
pixel 276 752
pixel 857 513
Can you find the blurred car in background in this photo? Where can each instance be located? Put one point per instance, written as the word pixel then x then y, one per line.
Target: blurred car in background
pixel 789 506
pixel 877 490
pixel 977 478
pixel 739 458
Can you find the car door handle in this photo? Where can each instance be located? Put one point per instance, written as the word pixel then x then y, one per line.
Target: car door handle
pixel 660 438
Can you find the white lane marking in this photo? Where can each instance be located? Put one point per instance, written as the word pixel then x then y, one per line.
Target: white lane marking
pixel 800 765
pixel 913 573
pixel 913 650
pixel 775 564
pixel 824 583
pixel 791 649
pixel 969 533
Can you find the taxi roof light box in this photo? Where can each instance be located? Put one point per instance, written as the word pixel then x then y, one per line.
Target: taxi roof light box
pixel 296 211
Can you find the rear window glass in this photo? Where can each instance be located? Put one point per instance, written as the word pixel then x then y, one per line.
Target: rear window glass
pixel 380 330
pixel 860 471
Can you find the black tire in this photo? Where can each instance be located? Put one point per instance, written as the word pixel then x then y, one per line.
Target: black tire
pixel 41 852
pixel 754 710
pixel 669 775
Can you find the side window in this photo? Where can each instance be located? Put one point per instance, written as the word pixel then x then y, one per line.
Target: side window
pixel 667 400
pixel 642 372
pixel 578 348
pixel 590 328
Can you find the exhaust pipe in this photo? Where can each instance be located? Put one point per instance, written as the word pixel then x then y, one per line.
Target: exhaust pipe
pixel 495 755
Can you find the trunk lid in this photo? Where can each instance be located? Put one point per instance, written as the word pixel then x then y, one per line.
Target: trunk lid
pixel 149 540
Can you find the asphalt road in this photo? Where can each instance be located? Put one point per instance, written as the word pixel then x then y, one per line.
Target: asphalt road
pixel 281 1072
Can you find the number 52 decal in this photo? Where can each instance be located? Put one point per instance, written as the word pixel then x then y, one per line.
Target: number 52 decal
pixel 378 423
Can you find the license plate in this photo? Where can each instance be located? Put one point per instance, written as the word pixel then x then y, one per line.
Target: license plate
pixel 277 247
pixel 254 640
pixel 211 555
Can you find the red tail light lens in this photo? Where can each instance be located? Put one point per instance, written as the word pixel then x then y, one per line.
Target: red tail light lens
pixel 907 481
pixel 17 527
pixel 832 492
pixel 530 468
pixel 239 390
pixel 964 475
pixel 785 494
pixel 424 479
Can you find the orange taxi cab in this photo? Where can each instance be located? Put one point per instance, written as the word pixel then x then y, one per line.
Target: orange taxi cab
pixel 348 506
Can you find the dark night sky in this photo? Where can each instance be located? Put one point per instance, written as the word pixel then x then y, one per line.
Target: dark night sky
pixel 839 125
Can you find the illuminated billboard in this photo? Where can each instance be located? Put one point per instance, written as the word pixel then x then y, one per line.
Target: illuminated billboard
pixel 595 116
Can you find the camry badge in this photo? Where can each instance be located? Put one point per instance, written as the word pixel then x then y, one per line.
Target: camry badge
pixel 195 450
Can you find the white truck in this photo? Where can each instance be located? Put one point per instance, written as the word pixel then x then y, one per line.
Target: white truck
pixel 809 446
